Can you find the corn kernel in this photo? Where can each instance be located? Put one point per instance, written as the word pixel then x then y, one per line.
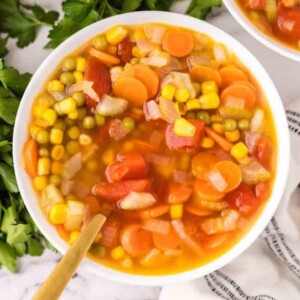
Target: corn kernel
pixel 55 86
pixel 56 168
pixel 176 211
pixel 180 108
pixel 112 50
pixel 43 166
pixel 73 115
pixel 239 150
pixel 232 136
pixel 182 94
pixel 168 92
pixel 56 136
pixel 210 101
pixel 49 116
pixel 197 87
pixel 216 118
pixel 41 123
pixel 182 127
pixel 193 104
pixel 58 213
pixel 137 52
pixel 40 182
pixel 78 76
pixel 55 179
pixel 207 143
pixel 34 130
pixel 138 35
pixel 85 140
pixel 218 127
pixel 117 253
pixel 74 235
pixel 108 156
pixel 209 87
pixel 73 133
pixel 116 34
pixel 80 64
pixel 67 105
pixel 57 152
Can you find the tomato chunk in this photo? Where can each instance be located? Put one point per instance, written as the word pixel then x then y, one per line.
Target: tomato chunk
pixel 98 73
pixel 262 191
pixel 257 4
pixel 130 165
pixel 125 50
pixel 118 190
pixel 243 200
pixel 110 233
pixel 187 144
pixel 263 151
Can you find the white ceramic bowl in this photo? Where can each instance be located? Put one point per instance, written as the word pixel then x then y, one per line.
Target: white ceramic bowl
pixel 276 46
pixel 46 68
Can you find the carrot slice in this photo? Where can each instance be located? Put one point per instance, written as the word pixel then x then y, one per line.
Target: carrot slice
pixel 240 91
pixel 178 43
pixel 62 232
pixel 166 242
pixel 178 194
pixel 247 83
pixel 202 164
pixel 30 156
pixel 203 73
pixel 197 210
pixel 222 142
pixel 214 241
pixel 231 173
pixel 148 77
pixel 135 240
pixel 206 191
pixel 154 212
pixel 132 90
pixel 106 58
pixel 231 74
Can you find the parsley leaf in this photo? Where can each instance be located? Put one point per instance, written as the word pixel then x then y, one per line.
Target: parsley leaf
pixel 8 257
pixel 201 8
pixel 8 177
pixel 3 49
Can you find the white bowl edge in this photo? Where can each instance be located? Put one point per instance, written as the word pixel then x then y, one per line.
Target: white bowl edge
pixel 36 84
pixel 272 44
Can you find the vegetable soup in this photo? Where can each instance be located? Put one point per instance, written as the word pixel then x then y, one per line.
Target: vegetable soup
pixel 162 130
pixel 279 19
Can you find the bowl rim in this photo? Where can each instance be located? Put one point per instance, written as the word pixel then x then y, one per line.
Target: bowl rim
pixel 74 42
pixel 264 39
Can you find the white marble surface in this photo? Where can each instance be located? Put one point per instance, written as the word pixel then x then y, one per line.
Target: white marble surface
pixel 85 285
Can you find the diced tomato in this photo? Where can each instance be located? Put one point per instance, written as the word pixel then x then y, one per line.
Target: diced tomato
pixel 118 190
pixel 263 152
pixel 110 233
pixel 187 144
pixel 178 193
pixel 288 22
pixel 130 165
pixel 243 200
pixel 262 191
pixel 102 134
pixel 98 73
pixel 125 50
pixel 256 4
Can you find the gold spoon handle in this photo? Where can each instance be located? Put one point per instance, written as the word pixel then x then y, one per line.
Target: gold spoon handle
pixel 63 272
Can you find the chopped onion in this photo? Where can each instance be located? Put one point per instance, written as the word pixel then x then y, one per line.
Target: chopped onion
pixel 51 195
pixel 144 45
pixel 72 166
pixel 116 130
pixel 67 187
pixel 196 59
pixel 92 94
pixel 235 102
pixel 151 110
pixel 257 122
pixel 75 211
pixel 254 173
pixel 156 138
pixel 182 176
pixel 154 33
pixel 167 110
pixel 214 205
pixel 152 258
pixel 158 159
pixel 217 180
pixel 111 106
pixel 173 65
pixel 79 87
pixel 212 226
pixel 252 139
pixel 229 219
pixel 154 61
pixel 220 53
pixel 135 201
pixel 173 252
pixel 288 25
pixel 186 239
pixel 115 73
pixel 59 96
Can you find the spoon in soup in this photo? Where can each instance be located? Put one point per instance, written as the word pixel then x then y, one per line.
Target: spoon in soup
pixel 63 272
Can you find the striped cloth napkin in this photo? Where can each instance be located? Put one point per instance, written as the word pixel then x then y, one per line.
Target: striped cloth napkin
pixel 270 268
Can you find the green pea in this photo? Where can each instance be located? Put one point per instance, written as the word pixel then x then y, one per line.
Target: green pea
pixel 79 99
pixel 73 133
pixel 100 120
pixel 230 125
pixel 191 115
pixel 67 78
pixel 88 122
pixel 59 124
pixel 100 42
pixel 42 136
pixel 72 147
pixel 98 251
pixel 43 152
pixel 55 179
pixel 203 116
pixel 69 64
pixel 244 124
pixel 128 124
